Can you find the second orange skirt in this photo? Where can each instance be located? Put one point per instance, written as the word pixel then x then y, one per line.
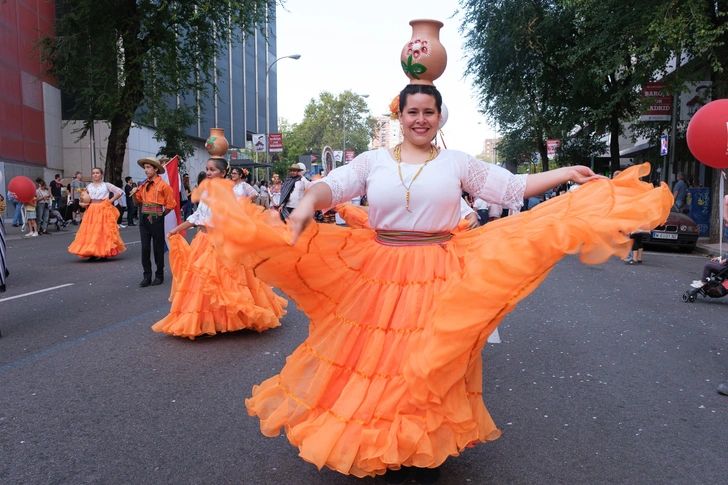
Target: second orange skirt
pixel 209 297
pixel 98 234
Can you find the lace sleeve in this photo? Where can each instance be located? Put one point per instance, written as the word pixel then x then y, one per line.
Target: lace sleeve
pixel 114 189
pixel 348 181
pixel 494 184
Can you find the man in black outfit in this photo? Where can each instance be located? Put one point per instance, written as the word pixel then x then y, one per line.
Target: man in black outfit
pixel 130 206
pixel 154 198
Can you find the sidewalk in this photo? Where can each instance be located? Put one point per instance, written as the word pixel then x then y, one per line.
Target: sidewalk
pixel 15 233
pixel 703 247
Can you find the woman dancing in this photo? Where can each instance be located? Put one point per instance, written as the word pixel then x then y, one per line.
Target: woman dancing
pixel 98 236
pixel 390 376
pixel 209 297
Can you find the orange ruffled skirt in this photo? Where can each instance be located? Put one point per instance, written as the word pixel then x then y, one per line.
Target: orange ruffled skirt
pixel 209 297
pixel 98 234
pixel 391 372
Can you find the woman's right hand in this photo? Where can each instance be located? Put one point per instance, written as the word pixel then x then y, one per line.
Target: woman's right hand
pixel 300 218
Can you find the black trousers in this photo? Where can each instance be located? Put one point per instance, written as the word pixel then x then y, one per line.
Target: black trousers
pixel 151 230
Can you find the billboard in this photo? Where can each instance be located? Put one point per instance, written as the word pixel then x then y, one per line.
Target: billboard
pixel 660 105
pixel 275 141
pixel 552 147
pixel 697 97
pixel 259 142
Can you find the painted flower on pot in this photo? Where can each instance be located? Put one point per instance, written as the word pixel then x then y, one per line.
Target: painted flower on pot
pixel 414 50
pixel 210 143
pixel 417 48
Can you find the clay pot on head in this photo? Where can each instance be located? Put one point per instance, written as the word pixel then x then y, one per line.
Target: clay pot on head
pixel 217 145
pixel 424 58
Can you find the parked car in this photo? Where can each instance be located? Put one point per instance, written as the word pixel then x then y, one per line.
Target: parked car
pixel 679 231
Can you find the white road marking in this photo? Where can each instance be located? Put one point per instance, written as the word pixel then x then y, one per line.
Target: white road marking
pixel 35 292
pixel 494 337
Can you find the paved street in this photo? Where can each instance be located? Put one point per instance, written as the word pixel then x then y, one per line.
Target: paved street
pixel 603 376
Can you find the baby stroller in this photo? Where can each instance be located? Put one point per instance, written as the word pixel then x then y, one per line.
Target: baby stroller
pixel 57 219
pixel 716 286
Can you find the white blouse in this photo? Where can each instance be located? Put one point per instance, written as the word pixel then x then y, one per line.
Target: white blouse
pixel 434 195
pixel 203 214
pixel 244 189
pixel 101 192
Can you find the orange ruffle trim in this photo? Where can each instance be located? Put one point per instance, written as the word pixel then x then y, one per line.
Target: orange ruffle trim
pixel 209 297
pixel 391 372
pixel 98 234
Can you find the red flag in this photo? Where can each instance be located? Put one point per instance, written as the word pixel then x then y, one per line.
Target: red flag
pixel 171 176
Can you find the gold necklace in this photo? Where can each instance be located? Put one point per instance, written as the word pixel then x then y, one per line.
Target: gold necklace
pixel 398 158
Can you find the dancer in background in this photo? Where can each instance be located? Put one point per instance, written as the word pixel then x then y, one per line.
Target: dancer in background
pixel 241 187
pixel 154 200
pixel 210 297
pixel 98 236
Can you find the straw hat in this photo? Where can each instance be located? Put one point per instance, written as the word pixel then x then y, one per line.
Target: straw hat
pixel 295 167
pixel 152 161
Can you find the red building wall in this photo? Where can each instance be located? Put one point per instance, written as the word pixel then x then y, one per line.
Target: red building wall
pixel 22 128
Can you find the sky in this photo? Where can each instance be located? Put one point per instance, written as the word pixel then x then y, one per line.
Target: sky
pixel 355 45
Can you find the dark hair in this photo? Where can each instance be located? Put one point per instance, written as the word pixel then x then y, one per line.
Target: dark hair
pixel 237 170
pixel 127 179
pixel 420 89
pixel 57 175
pixel 40 181
pixel 200 177
pixel 99 169
pixel 221 164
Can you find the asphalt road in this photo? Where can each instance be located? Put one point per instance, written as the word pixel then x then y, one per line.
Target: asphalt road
pixel 603 376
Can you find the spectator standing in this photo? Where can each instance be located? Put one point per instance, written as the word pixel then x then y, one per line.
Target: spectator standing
pixel 292 191
pixel 481 208
pixel 120 204
pixel 264 195
pixel 187 192
pixel 76 185
pixel 18 214
pixel 30 216
pixel 56 188
pixel 130 206
pixel 42 207
pixel 680 192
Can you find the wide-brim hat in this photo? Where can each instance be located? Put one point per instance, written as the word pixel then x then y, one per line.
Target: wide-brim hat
pixel 295 167
pixel 151 161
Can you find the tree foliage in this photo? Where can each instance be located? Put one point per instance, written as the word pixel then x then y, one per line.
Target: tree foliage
pixel 329 119
pixel 542 67
pixel 122 60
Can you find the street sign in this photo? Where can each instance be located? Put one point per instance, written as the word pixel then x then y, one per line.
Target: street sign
pixel 349 155
pixel 552 147
pixel 338 155
pixel 276 142
pixel 663 145
pixel 660 107
pixel 259 142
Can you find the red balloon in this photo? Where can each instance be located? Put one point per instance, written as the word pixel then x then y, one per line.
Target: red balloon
pixel 708 134
pixel 23 188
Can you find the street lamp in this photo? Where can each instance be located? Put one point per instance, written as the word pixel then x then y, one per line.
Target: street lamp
pixel 267 106
pixel 343 153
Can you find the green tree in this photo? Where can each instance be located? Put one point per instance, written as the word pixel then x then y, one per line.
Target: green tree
pixel 293 143
pixel 327 120
pixel 122 60
pixel 515 51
